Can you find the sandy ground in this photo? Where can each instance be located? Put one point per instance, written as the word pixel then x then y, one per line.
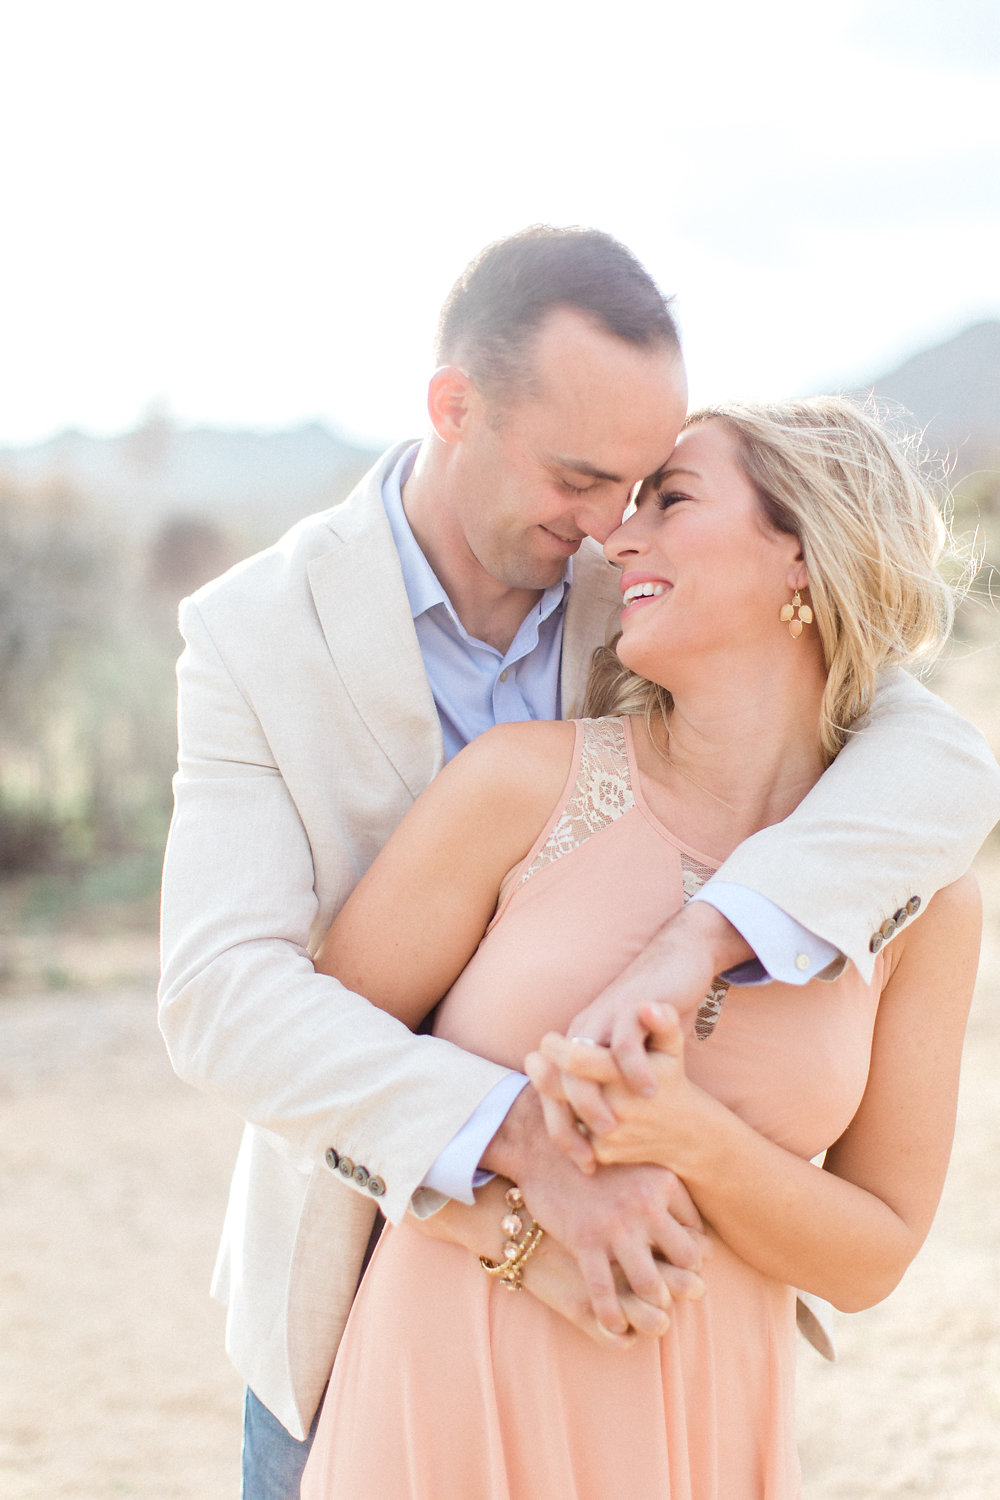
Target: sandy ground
pixel 112 1377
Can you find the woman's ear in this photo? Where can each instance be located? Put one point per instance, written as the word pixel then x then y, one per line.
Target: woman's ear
pixel 450 396
pixel 798 574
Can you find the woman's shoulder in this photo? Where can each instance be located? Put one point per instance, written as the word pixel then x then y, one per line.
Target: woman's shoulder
pixel 520 759
pixel 535 737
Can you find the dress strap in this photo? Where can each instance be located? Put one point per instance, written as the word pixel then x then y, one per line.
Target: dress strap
pixel 601 793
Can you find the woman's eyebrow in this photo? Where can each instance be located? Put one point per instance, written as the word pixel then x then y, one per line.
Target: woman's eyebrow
pixel 663 474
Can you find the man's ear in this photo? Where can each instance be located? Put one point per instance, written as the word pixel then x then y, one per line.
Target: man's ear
pixel 450 397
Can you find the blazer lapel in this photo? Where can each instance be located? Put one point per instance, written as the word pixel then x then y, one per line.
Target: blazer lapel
pixel 365 615
pixel 591 617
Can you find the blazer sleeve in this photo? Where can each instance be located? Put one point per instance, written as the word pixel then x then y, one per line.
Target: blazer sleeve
pixel 900 813
pixel 242 1010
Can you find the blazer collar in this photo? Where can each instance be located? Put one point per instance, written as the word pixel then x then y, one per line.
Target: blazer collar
pixel 359 595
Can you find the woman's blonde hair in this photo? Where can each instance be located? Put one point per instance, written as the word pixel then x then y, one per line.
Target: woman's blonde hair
pixel 863 508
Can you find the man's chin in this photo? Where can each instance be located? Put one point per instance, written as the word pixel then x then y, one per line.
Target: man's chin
pixel 538 577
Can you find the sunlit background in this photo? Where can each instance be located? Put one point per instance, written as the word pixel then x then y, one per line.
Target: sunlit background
pixel 249 213
pixel 227 230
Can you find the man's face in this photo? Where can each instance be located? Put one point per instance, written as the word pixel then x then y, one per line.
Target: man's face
pixel 559 460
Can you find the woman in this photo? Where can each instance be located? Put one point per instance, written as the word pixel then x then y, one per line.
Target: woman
pixel 784 558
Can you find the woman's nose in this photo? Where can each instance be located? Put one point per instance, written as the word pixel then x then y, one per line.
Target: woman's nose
pixel 625 541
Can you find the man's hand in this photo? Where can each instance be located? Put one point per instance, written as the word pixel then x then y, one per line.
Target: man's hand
pixel 676 969
pixel 553 1275
pixel 628 1217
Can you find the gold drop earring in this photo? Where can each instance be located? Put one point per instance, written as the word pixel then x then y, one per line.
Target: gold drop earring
pixel 795 615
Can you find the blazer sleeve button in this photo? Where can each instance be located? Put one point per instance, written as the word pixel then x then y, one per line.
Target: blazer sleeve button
pixel 888 928
pixel 376 1187
pixel 332 1159
pixel 876 943
pixel 361 1175
pixel 899 917
pixel 913 905
pixel 346 1167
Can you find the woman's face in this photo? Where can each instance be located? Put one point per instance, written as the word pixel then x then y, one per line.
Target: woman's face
pixel 703 574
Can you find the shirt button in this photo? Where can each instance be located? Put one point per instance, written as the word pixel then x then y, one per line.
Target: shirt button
pixel 802 962
pixel 503 675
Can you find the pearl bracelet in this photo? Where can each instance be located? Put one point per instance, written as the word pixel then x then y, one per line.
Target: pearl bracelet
pixel 520 1245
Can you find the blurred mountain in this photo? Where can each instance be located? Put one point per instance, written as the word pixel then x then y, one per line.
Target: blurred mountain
pixel 252 483
pixel 953 393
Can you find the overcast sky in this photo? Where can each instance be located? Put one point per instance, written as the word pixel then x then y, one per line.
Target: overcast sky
pixel 251 212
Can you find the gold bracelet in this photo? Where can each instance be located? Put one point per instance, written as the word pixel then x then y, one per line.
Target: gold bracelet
pixel 521 1242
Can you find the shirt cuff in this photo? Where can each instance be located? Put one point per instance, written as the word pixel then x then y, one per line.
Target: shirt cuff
pixel 785 950
pixel 456 1173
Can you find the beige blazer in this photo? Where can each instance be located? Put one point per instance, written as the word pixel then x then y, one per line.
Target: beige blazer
pixel 307 728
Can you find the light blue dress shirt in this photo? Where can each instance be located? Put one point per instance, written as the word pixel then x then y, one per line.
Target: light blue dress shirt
pixel 475 686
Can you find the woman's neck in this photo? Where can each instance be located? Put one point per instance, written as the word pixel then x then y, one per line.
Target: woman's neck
pixel 740 751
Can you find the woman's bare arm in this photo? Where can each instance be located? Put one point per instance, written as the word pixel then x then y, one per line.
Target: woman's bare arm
pixel 404 936
pixel 847 1231
pixel 415 919
pixel 552 1274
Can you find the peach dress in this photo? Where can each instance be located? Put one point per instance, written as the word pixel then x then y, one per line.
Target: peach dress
pixel 449 1387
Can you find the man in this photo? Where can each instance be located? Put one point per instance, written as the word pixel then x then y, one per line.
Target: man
pixel 323 685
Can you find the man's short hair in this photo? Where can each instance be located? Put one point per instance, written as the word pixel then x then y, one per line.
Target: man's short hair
pixel 498 303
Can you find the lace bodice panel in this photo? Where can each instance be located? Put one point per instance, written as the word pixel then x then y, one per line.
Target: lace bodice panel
pixel 601 794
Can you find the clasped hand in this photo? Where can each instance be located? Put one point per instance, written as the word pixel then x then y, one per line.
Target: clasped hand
pixel 598 1115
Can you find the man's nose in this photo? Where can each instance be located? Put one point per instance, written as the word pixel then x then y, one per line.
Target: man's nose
pixel 600 518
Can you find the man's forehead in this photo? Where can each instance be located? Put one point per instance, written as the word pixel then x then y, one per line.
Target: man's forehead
pixel 573 335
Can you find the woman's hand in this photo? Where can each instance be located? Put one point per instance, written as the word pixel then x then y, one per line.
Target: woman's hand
pixel 630 1127
pixel 553 1275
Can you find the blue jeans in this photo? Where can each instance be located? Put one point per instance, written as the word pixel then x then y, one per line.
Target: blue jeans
pixel 272 1459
